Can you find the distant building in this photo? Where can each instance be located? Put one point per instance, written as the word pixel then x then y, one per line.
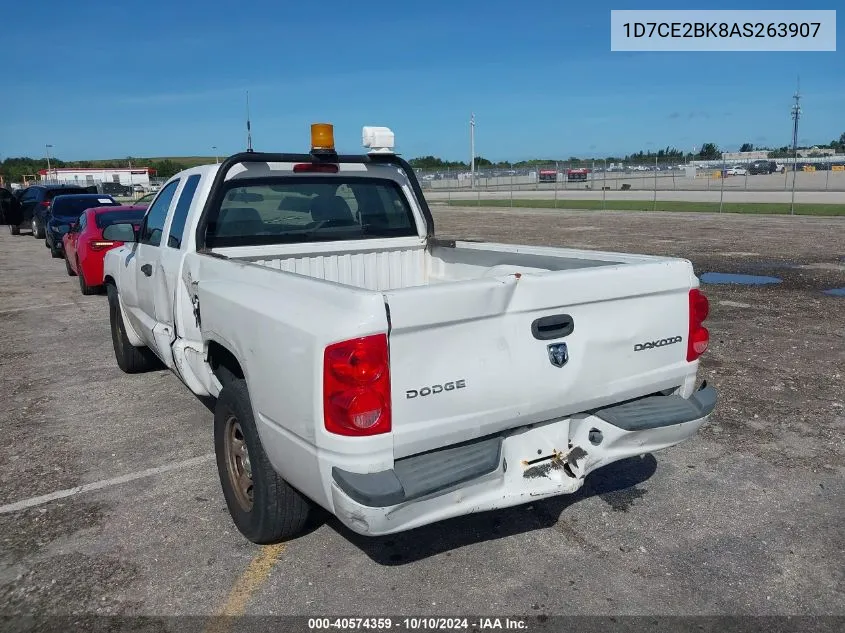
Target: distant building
pixel 91 176
pixel 764 154
pixel 804 153
pixel 758 155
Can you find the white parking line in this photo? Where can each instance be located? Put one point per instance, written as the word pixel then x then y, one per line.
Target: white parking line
pixel 42 307
pixel 105 483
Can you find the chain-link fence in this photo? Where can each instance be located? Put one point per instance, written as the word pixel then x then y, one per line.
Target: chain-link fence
pixel 768 175
pixel 659 185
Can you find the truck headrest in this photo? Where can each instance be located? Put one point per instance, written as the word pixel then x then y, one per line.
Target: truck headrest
pixel 239 221
pixel 325 207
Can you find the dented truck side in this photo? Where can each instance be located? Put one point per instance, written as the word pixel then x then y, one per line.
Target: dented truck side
pixel 389 377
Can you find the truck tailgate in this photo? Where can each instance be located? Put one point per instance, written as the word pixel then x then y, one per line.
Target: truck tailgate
pixel 465 362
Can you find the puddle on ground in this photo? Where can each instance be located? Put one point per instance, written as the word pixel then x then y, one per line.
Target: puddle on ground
pixel 836 292
pixel 744 280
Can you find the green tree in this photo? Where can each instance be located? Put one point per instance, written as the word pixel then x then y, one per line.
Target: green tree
pixel 163 168
pixel 434 162
pixel 781 152
pixel 746 147
pixel 839 145
pixel 709 151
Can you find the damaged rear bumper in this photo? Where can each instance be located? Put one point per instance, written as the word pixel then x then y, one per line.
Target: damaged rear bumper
pixel 524 464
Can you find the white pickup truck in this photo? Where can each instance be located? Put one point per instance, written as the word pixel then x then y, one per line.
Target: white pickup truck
pixel 361 364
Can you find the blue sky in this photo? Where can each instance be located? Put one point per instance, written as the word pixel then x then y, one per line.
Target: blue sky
pixel 101 79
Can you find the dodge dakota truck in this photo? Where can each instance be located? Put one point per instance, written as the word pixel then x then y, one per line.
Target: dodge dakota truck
pixel 359 363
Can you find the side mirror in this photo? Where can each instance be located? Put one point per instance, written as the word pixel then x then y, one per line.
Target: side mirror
pixel 120 232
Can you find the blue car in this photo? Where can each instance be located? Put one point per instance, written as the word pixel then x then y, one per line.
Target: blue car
pixel 64 211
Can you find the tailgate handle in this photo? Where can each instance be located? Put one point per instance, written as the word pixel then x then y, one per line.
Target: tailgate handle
pixel 555 326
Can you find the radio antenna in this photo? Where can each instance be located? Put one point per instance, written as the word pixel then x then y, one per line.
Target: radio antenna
pixel 248 127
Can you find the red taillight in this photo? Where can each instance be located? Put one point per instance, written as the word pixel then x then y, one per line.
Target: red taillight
pixel 320 168
pixel 699 337
pixel 101 245
pixel 356 386
pixel 45 203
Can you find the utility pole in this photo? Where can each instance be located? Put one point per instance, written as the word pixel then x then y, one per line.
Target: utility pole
pixel 48 161
pixel 248 126
pixel 796 114
pixel 472 149
pixel 216 160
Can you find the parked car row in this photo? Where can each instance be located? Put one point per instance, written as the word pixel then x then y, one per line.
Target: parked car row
pixel 71 221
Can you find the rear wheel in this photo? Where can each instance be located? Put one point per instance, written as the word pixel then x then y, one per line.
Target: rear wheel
pixel 14 229
pixel 55 253
pixel 83 285
pixel 263 506
pixel 37 230
pixel 130 359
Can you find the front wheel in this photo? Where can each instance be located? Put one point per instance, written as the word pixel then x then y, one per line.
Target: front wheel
pixel 14 229
pixel 69 269
pixel 263 506
pixel 130 359
pixel 37 231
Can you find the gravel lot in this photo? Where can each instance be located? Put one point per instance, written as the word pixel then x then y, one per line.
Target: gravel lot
pixel 748 518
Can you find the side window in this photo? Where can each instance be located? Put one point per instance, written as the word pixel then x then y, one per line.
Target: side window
pixel 177 224
pixel 83 221
pixel 157 214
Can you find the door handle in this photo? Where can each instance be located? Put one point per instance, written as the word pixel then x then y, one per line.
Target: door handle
pixel 147 269
pixel 555 326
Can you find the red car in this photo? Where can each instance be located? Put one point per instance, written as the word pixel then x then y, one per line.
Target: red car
pixel 85 247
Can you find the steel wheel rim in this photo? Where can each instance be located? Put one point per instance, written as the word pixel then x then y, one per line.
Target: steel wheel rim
pixel 238 466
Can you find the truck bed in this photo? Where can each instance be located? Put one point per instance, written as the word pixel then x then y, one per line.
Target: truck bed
pixel 392 267
pixel 465 311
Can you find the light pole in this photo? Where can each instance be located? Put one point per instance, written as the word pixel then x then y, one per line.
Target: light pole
pixel 214 149
pixel 796 114
pixel 472 150
pixel 48 146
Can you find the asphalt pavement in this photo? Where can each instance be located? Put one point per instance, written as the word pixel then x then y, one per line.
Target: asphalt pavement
pixel 110 501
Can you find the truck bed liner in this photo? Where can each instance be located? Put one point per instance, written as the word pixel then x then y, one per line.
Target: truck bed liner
pixel 403 267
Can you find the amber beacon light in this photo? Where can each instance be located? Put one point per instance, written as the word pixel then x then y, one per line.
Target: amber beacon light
pixel 322 137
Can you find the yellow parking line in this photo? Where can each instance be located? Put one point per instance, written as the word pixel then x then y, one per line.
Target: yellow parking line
pixel 253 577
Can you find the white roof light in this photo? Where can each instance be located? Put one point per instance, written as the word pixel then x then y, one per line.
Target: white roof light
pixel 379 140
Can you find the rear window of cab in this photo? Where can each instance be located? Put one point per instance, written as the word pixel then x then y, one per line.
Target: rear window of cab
pixel 310 209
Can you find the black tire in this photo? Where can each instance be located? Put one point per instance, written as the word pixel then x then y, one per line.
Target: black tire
pixel 55 253
pixel 37 229
pixel 130 359
pixel 14 229
pixel 70 272
pixel 277 511
pixel 84 288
